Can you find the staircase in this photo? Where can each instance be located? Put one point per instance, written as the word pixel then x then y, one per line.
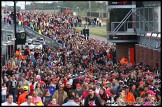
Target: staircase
pixel 122 22
pixel 133 13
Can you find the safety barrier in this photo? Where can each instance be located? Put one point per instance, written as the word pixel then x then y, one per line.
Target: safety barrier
pixel 49 42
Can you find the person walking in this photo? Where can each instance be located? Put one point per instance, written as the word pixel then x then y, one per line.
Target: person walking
pixel 103 95
pixel 60 94
pixel 129 95
pixel 22 97
pixel 53 103
pixel 19 90
pixel 78 89
pixel 36 97
pixel 92 99
pixel 9 101
pixel 98 21
pixel 14 88
pixel 4 92
pixel 71 97
pixel 28 101
pixel 4 19
pixel 46 97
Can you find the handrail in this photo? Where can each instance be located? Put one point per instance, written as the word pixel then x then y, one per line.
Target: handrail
pixel 122 24
pixel 144 20
pixel 126 25
pixel 48 40
pixel 123 19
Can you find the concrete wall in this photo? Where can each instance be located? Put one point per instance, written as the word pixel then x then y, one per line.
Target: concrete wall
pixel 159 18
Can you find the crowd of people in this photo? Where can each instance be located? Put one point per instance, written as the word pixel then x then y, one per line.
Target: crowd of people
pixel 83 72
pixel 96 21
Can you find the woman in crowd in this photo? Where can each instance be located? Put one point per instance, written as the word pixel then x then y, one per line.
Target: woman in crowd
pixel 53 103
pixel 103 95
pixel 4 92
pixel 39 89
pixel 36 98
pixel 46 97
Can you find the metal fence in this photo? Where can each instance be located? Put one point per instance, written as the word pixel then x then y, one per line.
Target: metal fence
pixel 49 42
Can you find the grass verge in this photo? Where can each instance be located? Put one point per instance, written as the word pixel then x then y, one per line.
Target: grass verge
pixel 95 31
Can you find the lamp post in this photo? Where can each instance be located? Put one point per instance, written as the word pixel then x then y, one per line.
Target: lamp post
pixel 25 6
pixel 58 8
pixel 13 40
pixel 77 10
pixel 15 17
pixel 90 7
pixel 54 9
pixel 15 21
pixel 99 12
pixel 6 7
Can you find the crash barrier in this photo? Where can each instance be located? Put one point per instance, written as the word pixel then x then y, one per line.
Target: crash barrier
pixel 49 42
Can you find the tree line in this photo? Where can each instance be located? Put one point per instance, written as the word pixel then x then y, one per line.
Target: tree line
pixel 83 5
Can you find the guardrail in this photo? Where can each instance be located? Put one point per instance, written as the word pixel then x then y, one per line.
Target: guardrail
pixel 51 43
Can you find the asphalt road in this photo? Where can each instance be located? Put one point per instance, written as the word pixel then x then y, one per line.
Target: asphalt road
pixel 11 27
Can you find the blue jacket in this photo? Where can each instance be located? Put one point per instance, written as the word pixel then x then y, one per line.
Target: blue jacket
pixel 51 89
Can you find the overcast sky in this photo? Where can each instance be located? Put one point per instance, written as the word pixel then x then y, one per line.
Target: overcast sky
pixel 21 3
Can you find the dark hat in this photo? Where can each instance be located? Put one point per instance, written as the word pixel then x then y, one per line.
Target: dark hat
pixel 121 83
pixel 146 85
pixel 126 86
pixel 156 83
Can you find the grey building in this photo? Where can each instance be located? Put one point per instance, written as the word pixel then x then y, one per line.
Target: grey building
pixel 7 41
pixel 136 30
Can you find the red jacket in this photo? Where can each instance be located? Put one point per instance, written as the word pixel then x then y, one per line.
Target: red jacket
pixel 85 94
pixel 109 56
pixel 31 89
pixel 22 98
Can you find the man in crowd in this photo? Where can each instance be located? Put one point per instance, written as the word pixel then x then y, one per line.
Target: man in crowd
pixel 22 97
pixel 28 102
pixel 71 97
pixel 78 90
pixel 92 99
pixel 60 94
pixel 9 101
